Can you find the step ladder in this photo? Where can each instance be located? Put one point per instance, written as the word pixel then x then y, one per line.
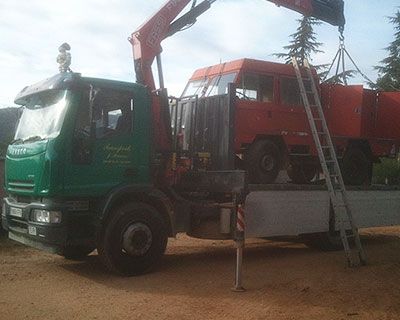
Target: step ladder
pixel 327 156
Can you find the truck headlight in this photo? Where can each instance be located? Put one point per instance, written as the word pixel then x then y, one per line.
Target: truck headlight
pixel 46 216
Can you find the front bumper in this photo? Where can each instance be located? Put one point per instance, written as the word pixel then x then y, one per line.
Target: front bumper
pixel 76 228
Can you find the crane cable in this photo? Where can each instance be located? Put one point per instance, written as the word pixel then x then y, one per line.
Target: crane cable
pixel 340 57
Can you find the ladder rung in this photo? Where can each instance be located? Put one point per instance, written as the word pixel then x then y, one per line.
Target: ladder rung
pixel 321 132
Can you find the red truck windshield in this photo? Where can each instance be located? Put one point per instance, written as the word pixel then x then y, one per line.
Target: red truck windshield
pixel 210 86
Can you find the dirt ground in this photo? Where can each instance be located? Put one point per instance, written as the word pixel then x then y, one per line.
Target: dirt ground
pixel 284 280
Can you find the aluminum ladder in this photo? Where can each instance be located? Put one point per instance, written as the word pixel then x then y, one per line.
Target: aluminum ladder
pixel 327 156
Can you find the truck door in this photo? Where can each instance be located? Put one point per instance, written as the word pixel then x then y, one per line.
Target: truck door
pixel 103 145
pixel 256 106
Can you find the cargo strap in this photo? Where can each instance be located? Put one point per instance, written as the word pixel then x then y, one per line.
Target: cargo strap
pixel 340 62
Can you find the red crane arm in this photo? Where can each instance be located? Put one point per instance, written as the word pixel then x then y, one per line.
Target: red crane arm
pixel 331 11
pixel 303 6
pixel 146 41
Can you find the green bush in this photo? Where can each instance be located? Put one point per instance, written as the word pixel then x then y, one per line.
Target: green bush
pixel 387 172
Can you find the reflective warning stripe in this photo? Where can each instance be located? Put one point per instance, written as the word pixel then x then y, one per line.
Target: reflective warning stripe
pixel 240 223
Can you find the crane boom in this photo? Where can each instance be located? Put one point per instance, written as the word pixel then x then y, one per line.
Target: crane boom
pixel 146 44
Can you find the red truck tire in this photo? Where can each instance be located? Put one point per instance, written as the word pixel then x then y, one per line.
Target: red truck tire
pixel 356 167
pixel 263 162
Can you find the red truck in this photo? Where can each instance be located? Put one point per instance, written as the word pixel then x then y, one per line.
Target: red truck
pixel 272 131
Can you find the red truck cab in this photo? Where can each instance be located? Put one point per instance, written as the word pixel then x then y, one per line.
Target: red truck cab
pixel 271 129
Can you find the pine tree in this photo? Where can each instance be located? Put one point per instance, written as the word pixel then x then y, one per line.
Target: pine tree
pixel 304 42
pixel 389 70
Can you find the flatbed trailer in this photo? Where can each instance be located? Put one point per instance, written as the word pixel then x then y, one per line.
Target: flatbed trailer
pixel 296 210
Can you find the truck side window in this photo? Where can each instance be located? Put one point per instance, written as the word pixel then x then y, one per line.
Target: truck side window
pixel 256 87
pixel 113 113
pixel 290 91
pixel 267 88
pixel 248 90
pixel 219 84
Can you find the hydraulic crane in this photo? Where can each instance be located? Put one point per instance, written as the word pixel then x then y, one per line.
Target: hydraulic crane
pixel 146 44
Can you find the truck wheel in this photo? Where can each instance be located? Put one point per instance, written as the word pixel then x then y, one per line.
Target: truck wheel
pixel 134 240
pixel 356 167
pixel 302 173
pixel 76 252
pixel 263 161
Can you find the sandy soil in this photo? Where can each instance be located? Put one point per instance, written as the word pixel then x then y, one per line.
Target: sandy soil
pixel 284 280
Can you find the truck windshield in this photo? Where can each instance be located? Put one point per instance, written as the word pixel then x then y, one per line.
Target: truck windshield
pixel 42 116
pixel 209 86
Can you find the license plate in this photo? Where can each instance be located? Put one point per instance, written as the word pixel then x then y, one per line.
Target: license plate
pixel 32 230
pixel 16 212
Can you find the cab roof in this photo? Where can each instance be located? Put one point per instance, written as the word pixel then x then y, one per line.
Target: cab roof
pixel 69 80
pixel 244 65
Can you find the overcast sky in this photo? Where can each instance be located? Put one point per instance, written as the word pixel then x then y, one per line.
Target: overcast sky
pixel 97 30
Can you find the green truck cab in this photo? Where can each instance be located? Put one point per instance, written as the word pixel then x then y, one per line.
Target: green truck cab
pixel 81 146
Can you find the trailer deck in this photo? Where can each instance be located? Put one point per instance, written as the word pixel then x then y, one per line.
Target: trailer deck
pixel 291 210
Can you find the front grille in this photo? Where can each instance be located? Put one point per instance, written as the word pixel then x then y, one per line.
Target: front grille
pixel 21 185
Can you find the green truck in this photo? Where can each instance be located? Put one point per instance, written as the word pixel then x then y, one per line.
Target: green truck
pixel 95 164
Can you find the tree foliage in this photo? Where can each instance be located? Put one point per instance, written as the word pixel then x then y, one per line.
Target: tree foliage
pixel 304 42
pixel 389 70
pixel 304 45
pixel 338 78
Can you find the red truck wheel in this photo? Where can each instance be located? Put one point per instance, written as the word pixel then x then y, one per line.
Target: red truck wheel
pixel 356 167
pixel 263 162
pixel 134 240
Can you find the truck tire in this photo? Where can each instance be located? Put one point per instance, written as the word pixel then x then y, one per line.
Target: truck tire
pixel 302 173
pixel 356 167
pixel 134 240
pixel 263 162
pixel 77 252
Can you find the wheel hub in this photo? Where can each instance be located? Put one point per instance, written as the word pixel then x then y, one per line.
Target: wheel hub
pixel 137 239
pixel 267 162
